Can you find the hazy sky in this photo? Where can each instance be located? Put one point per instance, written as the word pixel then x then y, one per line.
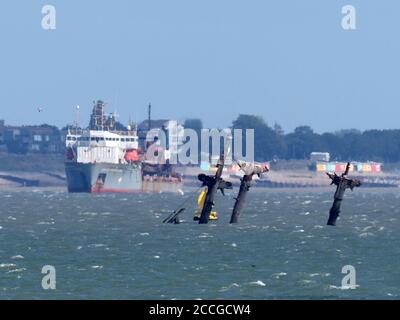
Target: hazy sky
pixel 289 61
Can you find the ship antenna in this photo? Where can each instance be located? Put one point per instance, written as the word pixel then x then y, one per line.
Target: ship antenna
pixel 130 123
pixel 103 115
pixel 115 116
pixel 77 117
pixel 149 116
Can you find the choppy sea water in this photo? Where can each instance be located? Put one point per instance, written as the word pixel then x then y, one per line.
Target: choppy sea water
pixel 115 247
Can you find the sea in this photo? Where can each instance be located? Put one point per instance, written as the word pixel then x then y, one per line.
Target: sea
pixel 115 246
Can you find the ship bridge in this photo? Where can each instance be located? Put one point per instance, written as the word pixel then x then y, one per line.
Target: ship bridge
pixel 96 138
pixel 97 146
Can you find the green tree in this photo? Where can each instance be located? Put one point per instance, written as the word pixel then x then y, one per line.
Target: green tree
pixel 302 142
pixel 267 142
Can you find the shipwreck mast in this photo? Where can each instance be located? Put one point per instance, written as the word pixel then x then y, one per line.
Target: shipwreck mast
pixel 342 183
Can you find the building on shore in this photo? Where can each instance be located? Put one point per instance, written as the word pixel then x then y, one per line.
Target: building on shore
pixel 33 139
pixel 49 139
pixel 320 156
pixel 356 167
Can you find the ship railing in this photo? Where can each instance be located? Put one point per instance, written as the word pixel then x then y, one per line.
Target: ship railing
pixel 78 132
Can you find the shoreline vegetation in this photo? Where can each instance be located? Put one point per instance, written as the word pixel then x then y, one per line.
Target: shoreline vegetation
pixel 44 167
pixel 46 172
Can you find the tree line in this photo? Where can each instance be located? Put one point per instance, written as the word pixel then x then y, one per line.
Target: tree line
pixel 271 142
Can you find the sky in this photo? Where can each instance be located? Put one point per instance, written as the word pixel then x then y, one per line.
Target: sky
pixel 289 61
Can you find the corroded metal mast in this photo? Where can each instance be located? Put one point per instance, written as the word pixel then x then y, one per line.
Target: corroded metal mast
pixel 245 185
pixel 213 184
pixel 342 183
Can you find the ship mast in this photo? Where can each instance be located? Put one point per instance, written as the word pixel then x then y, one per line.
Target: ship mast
pixel 77 119
pixel 149 114
pixel 97 119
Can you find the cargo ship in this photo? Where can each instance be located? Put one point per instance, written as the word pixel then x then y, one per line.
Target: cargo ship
pixel 102 159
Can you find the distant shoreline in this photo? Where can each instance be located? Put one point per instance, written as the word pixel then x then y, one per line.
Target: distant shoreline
pixel 255 189
pixel 46 172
